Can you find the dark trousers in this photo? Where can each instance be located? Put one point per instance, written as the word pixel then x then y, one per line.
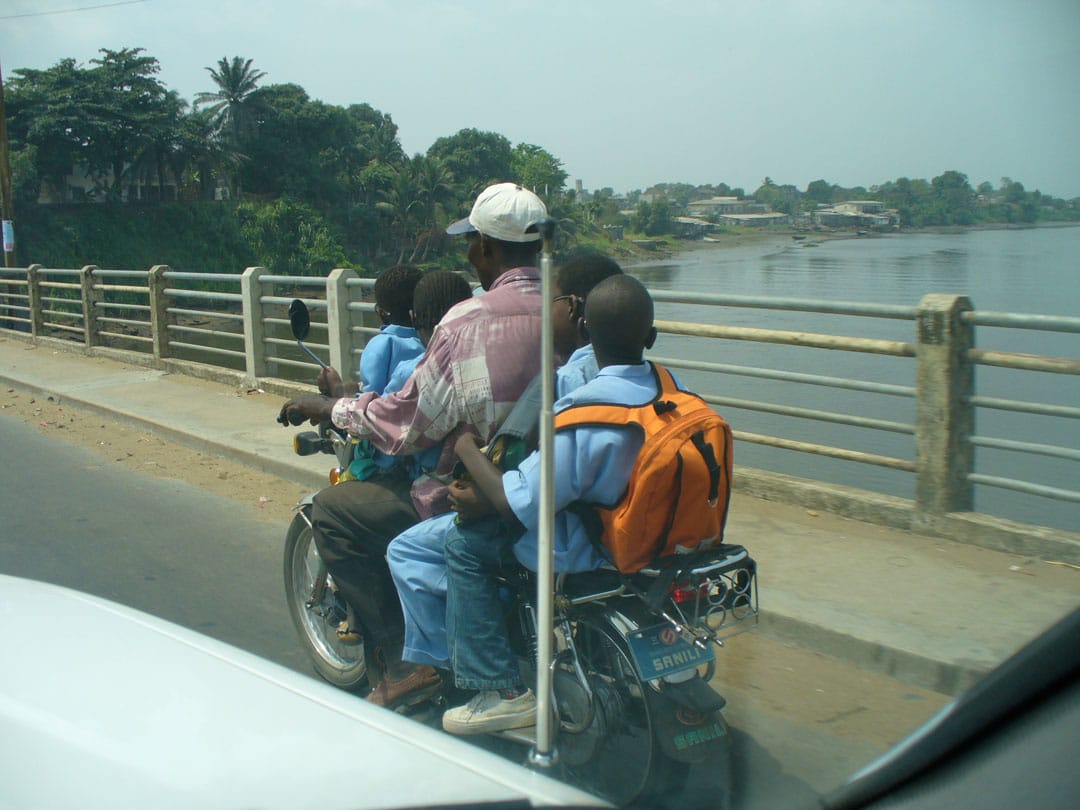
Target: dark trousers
pixel 353 524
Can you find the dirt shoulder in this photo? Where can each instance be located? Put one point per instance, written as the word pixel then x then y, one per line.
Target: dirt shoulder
pixel 267 496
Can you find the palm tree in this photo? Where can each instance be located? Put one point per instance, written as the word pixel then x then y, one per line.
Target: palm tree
pixel 230 106
pixel 400 203
pixel 435 192
pixel 160 144
pixel 201 158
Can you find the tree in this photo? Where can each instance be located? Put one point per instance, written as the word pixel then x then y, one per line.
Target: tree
pixel 476 159
pixel 290 238
pixel 655 218
pixel 298 147
pixel 100 119
pixel 47 111
pixel 953 199
pixel 161 147
pixel 779 198
pixel 820 191
pixel 435 193
pixel 201 158
pixel 536 168
pixel 377 135
pixel 231 104
pixel 131 107
pixel 399 206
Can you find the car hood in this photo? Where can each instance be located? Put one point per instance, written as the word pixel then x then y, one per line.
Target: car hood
pixel 102 706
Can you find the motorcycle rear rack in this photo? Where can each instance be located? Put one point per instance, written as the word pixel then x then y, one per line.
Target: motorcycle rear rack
pixel 717 592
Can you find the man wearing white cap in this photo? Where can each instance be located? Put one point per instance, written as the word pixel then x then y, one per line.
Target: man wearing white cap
pixel 480 358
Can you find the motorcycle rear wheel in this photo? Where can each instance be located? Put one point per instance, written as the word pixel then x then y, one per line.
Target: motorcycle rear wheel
pixel 617 757
pixel 317 609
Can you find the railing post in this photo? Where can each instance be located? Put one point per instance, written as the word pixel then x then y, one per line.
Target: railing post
pixel 90 296
pixel 339 321
pixel 33 293
pixel 254 328
pixel 159 314
pixel 944 418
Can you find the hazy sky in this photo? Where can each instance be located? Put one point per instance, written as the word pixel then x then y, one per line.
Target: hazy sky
pixel 628 93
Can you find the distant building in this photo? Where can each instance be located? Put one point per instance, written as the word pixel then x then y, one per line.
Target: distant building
pixel 692 227
pixel 755 220
pixel 857 214
pixel 715 206
pixel 861 206
pixel 82 186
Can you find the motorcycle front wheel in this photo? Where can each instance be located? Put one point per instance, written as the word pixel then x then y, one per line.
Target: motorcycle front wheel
pixel 317 609
pixel 617 756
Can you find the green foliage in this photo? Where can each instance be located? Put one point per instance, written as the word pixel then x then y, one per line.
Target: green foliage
pixel 536 168
pixel 655 218
pixel 820 191
pixel 290 238
pixel 476 159
pixel 310 186
pixel 190 236
pixel 784 199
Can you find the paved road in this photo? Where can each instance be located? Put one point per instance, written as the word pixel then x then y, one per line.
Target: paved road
pixel 158 545
pixel 163 546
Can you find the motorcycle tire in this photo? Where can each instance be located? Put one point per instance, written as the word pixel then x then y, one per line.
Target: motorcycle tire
pixel 317 610
pixel 617 756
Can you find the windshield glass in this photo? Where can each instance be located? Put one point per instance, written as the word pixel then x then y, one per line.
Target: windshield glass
pixel 855 232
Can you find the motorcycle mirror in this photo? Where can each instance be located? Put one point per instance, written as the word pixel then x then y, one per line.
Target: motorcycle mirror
pixel 300 322
pixel 299 319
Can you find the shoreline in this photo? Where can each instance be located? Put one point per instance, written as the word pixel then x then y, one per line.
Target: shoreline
pixel 635 255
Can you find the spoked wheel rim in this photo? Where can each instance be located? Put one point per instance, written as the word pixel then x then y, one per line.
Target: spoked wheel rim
pixel 619 744
pixel 317 610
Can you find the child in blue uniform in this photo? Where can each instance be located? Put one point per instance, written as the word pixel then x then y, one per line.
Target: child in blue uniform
pixel 593 464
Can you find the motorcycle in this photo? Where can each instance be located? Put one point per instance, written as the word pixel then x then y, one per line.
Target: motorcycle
pixel 316 607
pixel 634 654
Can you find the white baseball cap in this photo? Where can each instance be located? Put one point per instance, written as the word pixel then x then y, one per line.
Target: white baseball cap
pixel 505 211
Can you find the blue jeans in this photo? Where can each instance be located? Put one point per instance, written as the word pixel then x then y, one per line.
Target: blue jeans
pixel 479 642
pixel 417 562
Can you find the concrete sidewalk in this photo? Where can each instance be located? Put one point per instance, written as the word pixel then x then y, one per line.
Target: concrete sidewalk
pixel 928 611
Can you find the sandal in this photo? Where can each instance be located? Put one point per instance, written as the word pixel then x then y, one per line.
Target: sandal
pixel 347 634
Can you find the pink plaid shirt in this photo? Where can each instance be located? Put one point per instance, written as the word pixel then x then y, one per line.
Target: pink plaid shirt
pixel 482 355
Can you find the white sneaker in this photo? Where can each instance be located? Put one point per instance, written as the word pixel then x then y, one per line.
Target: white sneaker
pixel 489 711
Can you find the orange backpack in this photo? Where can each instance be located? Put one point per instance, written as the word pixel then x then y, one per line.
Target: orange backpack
pixel 678 494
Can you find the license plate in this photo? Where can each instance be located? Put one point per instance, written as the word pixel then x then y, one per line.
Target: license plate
pixel 660 650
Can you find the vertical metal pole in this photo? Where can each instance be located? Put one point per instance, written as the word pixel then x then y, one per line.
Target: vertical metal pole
pixel 544 754
pixel 7 205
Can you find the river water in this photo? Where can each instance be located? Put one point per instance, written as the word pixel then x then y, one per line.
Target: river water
pixel 1031 271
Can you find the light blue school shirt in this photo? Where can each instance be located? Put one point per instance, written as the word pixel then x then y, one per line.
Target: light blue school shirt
pixel 393 345
pixel 592 464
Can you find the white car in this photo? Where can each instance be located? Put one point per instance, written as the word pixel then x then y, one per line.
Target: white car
pixel 102 706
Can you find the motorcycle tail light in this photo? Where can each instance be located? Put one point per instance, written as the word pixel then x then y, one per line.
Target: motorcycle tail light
pixel 689 593
pixel 335 476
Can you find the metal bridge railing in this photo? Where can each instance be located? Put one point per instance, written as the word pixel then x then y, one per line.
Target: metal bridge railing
pixel 239 321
